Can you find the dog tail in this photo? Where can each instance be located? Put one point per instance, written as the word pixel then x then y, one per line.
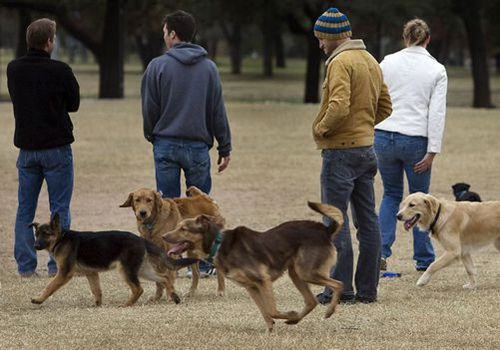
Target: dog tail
pixel 332 213
pixel 171 264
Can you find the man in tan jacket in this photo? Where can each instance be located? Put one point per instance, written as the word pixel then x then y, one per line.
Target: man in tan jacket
pixel 355 98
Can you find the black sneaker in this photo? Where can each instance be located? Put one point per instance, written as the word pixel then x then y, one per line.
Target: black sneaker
pixel 323 298
pixel 365 300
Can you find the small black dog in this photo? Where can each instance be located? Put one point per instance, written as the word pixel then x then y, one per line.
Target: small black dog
pixel 89 253
pixel 462 193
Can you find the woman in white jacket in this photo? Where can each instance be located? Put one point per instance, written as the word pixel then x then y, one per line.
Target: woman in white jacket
pixel 408 140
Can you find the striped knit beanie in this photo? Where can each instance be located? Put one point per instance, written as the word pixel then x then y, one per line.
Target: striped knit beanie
pixel 332 25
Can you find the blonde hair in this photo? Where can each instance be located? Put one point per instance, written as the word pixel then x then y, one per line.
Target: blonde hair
pixel 416 32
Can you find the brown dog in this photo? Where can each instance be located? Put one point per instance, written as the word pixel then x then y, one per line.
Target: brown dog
pixel 255 260
pixel 460 227
pixel 156 216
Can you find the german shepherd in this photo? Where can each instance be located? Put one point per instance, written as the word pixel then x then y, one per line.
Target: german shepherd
pixel 256 259
pixel 89 253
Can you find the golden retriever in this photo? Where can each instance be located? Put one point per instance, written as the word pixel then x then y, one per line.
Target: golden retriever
pixel 256 259
pixel 156 216
pixel 460 228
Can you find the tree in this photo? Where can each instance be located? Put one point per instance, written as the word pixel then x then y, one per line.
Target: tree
pixel 470 13
pixel 106 44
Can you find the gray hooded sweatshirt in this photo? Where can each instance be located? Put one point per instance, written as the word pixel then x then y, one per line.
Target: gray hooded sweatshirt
pixel 182 98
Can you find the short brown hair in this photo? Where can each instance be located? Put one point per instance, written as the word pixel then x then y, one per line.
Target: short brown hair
pixel 416 32
pixel 39 31
pixel 182 23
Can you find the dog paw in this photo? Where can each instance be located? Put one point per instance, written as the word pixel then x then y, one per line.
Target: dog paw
pixel 98 303
pixel 175 298
pixel 469 286
pixel 422 281
pixel 37 301
pixel 220 293
pixel 154 299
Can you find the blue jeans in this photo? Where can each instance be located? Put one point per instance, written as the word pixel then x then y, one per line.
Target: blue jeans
pixel 347 176
pixel 397 154
pixel 55 165
pixel 171 155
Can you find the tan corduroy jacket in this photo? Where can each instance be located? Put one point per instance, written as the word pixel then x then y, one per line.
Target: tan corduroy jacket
pixel 354 99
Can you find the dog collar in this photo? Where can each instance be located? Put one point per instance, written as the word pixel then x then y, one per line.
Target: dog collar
pixel 215 247
pixel 431 228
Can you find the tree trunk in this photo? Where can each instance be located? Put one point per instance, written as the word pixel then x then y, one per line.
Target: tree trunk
pixel 470 14
pixel 24 20
pixel 313 70
pixel 280 50
pixel 267 52
pixel 149 45
pixel 111 73
pixel 235 49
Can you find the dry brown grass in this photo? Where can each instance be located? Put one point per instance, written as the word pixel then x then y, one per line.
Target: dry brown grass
pixel 274 170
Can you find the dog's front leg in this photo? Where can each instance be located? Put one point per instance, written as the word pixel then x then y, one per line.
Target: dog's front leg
pixel 471 271
pixel 57 282
pixel 221 284
pixel 443 261
pixel 255 295
pixel 195 270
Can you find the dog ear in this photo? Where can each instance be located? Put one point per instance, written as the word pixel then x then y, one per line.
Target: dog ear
pixel 207 220
pixel 36 225
pixel 159 200
pixel 55 223
pixel 431 203
pixel 129 201
pixel 466 187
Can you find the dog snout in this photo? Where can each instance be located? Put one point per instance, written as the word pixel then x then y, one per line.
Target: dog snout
pixel 143 213
pixel 400 216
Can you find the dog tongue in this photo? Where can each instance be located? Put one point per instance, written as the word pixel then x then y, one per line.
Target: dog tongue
pixel 408 224
pixel 178 249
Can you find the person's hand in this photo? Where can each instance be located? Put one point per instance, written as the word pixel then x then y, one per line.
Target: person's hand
pixel 223 163
pixel 424 164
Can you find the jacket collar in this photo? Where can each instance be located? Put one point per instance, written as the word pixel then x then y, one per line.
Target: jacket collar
pixel 353 44
pixel 417 50
pixel 38 53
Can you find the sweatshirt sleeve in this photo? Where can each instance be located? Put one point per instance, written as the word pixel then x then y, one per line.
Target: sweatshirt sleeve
pixel 221 128
pixel 437 112
pixel 71 90
pixel 339 96
pixel 150 101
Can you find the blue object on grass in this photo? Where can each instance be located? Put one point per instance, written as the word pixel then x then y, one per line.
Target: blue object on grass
pixel 389 274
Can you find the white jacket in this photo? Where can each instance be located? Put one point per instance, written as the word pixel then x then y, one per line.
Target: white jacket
pixel 417 84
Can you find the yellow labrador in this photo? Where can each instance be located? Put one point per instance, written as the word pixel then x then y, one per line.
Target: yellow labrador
pixel 460 228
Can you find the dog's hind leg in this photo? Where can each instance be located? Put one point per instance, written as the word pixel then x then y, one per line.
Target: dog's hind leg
pixel 221 285
pixel 334 285
pixel 95 287
pixel 255 295
pixel 309 299
pixel 57 282
pixel 159 292
pixel 444 260
pixel 471 270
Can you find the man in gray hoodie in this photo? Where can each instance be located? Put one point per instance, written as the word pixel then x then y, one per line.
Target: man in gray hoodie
pixel 183 110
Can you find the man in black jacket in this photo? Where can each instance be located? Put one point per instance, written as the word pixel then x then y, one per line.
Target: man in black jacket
pixel 42 91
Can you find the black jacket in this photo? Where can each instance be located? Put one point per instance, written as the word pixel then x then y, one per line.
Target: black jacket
pixel 42 91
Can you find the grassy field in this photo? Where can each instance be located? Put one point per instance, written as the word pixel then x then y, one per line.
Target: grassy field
pixel 274 171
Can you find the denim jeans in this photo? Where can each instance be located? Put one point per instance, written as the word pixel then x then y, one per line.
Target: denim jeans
pixel 397 154
pixel 347 176
pixel 55 165
pixel 171 155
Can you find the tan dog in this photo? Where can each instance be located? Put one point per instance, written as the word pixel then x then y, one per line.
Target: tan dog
pixel 156 216
pixel 460 227
pixel 256 259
